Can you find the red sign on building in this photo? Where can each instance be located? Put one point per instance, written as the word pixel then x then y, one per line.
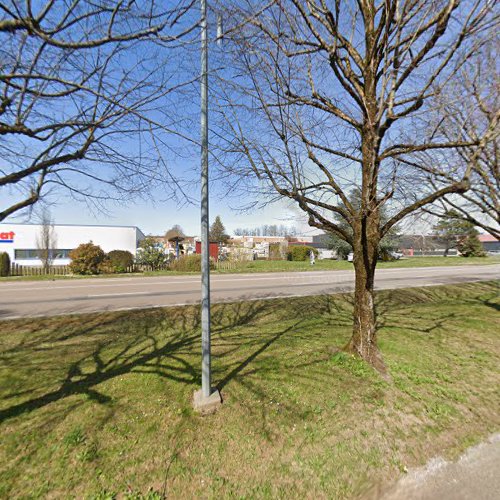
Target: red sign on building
pixel 7 237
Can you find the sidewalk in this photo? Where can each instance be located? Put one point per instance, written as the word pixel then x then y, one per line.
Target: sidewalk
pixel 474 476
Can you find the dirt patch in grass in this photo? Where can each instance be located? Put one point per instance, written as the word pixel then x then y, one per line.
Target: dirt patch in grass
pixel 94 406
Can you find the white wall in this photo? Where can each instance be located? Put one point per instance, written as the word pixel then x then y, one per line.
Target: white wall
pixel 326 254
pixel 69 237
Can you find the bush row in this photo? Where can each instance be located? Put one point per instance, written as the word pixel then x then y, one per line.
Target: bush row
pixel 189 263
pixel 91 259
pixel 300 253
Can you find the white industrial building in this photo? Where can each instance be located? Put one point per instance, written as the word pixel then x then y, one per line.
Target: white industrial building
pixel 20 240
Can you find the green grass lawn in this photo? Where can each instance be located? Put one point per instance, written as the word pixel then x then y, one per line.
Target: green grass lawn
pixel 263 266
pixel 260 266
pixel 94 406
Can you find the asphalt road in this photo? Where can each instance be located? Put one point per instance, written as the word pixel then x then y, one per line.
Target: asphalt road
pixel 46 298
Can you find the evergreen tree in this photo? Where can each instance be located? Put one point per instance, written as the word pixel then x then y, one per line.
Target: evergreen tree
pixel 218 231
pixel 388 243
pixel 451 230
pixel 470 246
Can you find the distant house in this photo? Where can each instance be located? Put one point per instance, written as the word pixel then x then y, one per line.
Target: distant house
pixel 187 246
pixel 320 242
pixel 251 241
pixel 489 242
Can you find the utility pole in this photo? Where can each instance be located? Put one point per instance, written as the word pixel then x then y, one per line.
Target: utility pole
pixel 208 399
pixel 206 375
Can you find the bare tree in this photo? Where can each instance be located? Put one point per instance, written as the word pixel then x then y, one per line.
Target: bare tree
pixel 329 96
pixel 472 107
pixel 175 231
pixel 86 97
pixel 46 241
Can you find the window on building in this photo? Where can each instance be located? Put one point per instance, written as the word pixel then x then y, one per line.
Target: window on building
pixel 26 254
pixel 62 254
pixel 33 253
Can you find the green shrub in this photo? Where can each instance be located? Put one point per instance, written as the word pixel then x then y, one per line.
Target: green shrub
pixel 151 253
pixel 4 264
pixel 120 260
pixel 385 255
pixel 106 266
pixel 86 259
pixel 189 263
pixel 470 246
pixel 275 251
pixel 301 252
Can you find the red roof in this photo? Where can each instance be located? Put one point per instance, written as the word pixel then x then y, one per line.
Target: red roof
pixel 483 238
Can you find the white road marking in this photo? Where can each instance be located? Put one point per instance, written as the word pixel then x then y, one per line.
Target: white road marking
pixel 284 295
pixel 116 294
pixel 141 281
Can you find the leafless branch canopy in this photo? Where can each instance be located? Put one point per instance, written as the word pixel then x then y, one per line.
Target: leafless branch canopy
pixel 86 93
pixel 328 96
pixel 471 106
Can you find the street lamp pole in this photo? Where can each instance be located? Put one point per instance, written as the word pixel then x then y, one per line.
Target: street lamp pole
pixel 206 375
pixel 207 400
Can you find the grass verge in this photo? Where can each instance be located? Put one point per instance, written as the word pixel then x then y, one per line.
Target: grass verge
pixel 95 406
pixel 262 266
pixel 269 266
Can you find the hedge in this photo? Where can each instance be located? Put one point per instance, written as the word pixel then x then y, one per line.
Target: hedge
pixel 301 252
pixel 4 264
pixel 189 263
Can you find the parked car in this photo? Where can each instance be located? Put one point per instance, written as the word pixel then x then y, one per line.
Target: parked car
pixel 392 255
pixel 395 255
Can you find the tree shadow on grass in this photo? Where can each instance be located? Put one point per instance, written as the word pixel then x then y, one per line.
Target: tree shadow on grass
pixel 77 382
pixel 493 302
pixel 163 342
pixel 392 306
pixel 98 348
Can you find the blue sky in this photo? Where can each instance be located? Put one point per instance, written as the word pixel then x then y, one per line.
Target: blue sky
pixel 156 218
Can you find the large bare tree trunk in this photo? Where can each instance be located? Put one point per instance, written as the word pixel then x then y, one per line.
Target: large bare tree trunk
pixel 364 337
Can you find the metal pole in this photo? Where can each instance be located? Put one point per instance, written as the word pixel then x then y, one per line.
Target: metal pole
pixel 205 242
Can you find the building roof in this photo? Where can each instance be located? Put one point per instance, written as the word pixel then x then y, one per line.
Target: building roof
pixel 260 239
pixel 312 244
pixel 484 238
pixel 69 225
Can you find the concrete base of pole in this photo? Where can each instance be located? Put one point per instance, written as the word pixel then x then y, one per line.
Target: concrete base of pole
pixel 209 405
